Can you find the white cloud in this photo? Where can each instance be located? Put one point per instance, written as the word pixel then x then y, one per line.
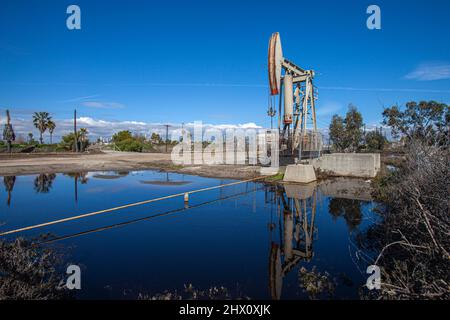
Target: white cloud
pixel 249 125
pixel 430 71
pixel 105 128
pixel 103 105
pixel 81 98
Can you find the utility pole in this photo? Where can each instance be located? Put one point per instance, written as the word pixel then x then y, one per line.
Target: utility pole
pixel 75 130
pixel 182 131
pixel 167 135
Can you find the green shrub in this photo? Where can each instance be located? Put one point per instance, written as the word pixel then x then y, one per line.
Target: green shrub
pixel 125 141
pixel 46 147
pixel 68 142
pixel 19 145
pixel 375 141
pixel 130 145
pixel 148 147
pixel 122 136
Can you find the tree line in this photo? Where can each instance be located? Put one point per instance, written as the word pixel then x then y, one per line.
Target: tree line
pixel 416 121
pixel 348 134
pixel 44 122
pixel 125 141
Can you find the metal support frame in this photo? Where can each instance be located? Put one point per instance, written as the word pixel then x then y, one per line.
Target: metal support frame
pixel 305 104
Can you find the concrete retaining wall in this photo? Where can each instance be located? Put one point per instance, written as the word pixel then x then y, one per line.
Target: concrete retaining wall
pixel 365 165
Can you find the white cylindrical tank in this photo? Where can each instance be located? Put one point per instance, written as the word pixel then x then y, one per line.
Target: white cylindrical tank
pixel 288 99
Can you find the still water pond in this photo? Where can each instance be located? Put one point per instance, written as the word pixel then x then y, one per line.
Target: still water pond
pixel 258 241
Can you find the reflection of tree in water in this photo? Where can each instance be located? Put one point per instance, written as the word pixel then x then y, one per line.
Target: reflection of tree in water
pixel 9 182
pixel 350 209
pixel 317 285
pixel 191 293
pixel 123 173
pixel 82 177
pixel 78 176
pixel 43 182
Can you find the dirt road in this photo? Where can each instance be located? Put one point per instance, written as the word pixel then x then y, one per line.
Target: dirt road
pixel 22 164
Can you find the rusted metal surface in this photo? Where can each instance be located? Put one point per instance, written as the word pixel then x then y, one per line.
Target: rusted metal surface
pixel 274 63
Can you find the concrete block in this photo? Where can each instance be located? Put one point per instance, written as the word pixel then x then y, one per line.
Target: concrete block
pixel 269 171
pixel 302 173
pixel 364 165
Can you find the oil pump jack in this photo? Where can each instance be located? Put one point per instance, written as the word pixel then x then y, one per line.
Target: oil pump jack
pixel 294 86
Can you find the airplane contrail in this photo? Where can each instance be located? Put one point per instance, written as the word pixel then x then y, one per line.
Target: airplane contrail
pixel 244 85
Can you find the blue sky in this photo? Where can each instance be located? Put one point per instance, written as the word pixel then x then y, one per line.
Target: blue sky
pixel 181 61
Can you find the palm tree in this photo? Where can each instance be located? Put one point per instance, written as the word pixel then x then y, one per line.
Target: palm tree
pixel 51 127
pixel 82 137
pixel 40 121
pixel 8 132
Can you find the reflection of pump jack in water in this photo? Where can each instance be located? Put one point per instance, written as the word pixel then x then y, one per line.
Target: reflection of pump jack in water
pixel 296 233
